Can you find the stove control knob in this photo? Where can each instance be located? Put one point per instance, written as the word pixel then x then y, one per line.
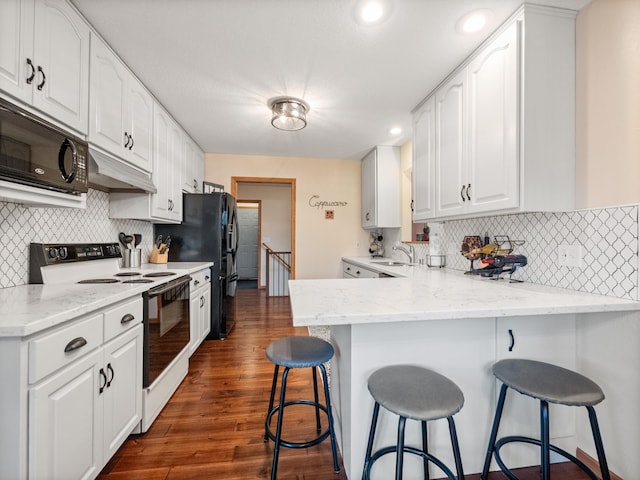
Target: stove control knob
pixel 62 251
pixel 116 250
pixel 52 252
pixel 109 249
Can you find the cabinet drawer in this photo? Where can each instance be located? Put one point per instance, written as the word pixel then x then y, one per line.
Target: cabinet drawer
pixel 47 353
pixel 351 270
pixel 200 278
pixel 122 317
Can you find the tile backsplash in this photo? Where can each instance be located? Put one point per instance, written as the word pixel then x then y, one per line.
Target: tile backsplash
pixel 20 226
pixel 609 237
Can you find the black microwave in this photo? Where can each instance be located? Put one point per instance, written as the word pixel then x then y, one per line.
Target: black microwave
pixel 36 153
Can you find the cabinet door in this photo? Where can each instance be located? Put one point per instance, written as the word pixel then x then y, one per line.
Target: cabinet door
pixel 205 313
pixel 123 392
pixel 108 93
pixel 424 132
pixel 161 174
pixel 493 125
pixel 549 338
pixel 61 51
pixel 65 422
pixel 369 190
pixel 450 146
pixel 140 123
pixel 16 46
pixel 175 168
pixel 194 322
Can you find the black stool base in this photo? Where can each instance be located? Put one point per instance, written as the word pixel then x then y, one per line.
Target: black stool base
pixel 495 444
pixel 285 443
pixel 280 408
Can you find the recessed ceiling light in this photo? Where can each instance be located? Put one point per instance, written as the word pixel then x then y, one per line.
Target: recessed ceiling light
pixel 474 21
pixel 395 131
pixel 372 12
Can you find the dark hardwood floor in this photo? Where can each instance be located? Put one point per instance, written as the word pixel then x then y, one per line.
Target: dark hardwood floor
pixel 212 428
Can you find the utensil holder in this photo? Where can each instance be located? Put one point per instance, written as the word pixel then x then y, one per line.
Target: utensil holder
pixel 157 257
pixel 131 258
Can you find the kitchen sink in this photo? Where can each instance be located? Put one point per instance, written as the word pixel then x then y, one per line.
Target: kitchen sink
pixel 391 263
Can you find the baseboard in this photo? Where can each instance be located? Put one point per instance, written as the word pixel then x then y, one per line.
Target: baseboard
pixel 593 464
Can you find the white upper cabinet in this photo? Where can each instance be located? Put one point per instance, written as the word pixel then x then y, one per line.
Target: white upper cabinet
pixel 44 59
pixel 504 124
pixel 193 171
pixel 450 146
pixel 424 135
pixel 121 110
pixel 381 188
pixel 164 206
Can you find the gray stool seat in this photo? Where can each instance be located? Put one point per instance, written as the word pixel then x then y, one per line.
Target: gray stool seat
pixel 548 382
pixel 299 352
pixel 415 392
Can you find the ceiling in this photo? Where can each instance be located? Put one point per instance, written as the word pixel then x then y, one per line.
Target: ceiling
pixel 214 64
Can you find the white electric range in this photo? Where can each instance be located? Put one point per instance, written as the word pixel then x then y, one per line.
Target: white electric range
pixel 165 308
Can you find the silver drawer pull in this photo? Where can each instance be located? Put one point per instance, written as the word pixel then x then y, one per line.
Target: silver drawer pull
pixel 127 318
pixel 75 344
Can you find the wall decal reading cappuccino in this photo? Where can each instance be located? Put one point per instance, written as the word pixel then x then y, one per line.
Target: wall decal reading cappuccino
pixel 315 202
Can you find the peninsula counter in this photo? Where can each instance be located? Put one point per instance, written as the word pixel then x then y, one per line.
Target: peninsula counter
pixel 459 326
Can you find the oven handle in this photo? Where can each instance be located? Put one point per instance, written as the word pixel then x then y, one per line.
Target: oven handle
pixel 157 291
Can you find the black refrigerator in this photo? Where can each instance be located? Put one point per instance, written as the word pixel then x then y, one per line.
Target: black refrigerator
pixel 209 233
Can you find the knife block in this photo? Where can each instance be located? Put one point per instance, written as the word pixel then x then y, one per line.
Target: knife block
pixel 156 257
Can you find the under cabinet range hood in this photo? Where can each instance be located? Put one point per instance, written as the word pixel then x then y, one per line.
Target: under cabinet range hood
pixel 109 172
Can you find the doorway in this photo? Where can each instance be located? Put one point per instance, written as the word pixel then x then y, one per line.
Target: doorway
pixel 249 222
pixel 277 215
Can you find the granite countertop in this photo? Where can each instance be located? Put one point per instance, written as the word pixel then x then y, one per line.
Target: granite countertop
pixel 29 309
pixel 420 293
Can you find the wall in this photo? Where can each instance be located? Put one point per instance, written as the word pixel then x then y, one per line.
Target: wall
pixel 20 226
pixel 320 243
pixel 608 103
pixel 609 237
pixel 275 216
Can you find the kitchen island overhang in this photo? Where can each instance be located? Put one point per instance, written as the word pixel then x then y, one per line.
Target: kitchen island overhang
pixel 455 325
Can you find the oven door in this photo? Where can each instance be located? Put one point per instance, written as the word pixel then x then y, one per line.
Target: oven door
pixel 166 326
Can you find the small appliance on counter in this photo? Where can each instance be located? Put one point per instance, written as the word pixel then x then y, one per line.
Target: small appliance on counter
pixel 496 258
pixel 376 247
pixel 435 255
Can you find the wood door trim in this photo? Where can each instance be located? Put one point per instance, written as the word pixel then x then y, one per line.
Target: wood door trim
pixel 292 183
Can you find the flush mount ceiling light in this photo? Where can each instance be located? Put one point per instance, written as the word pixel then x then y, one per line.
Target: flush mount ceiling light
pixel 288 113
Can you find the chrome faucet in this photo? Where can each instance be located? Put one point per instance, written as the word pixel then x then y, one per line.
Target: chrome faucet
pixel 409 252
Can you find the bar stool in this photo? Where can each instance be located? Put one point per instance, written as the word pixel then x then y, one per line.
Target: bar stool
pixel 419 394
pixel 549 384
pixel 299 352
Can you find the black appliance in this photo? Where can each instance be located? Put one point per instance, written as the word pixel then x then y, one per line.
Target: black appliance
pixel 36 153
pixel 166 326
pixel 209 232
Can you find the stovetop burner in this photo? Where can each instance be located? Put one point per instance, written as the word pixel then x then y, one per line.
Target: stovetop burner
pixel 138 280
pixel 100 280
pixel 128 274
pixel 159 274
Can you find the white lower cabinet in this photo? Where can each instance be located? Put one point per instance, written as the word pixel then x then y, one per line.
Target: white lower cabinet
pixel 549 338
pixel 200 310
pixel 74 394
pixel 351 270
